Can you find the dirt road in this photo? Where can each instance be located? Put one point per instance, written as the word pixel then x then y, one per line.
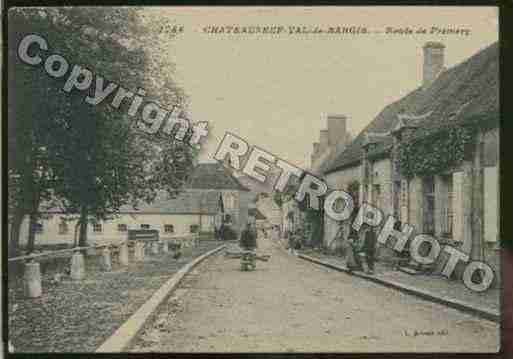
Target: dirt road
pixel 289 305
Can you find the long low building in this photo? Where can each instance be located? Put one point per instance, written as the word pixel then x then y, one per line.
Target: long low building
pixel 212 195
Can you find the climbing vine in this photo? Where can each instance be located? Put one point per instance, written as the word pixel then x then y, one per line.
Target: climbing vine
pixel 428 155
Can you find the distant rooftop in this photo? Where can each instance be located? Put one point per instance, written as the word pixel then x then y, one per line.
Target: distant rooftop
pixel 214 176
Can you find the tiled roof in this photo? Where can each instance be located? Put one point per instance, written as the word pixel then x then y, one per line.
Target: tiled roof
pixel 468 90
pixel 256 186
pixel 214 176
pixel 201 195
pixel 186 202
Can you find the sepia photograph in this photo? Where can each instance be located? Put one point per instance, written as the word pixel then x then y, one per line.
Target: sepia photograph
pixel 192 179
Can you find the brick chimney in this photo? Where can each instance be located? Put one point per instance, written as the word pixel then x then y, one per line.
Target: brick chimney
pixel 433 62
pixel 323 141
pixel 316 147
pixel 315 153
pixel 337 133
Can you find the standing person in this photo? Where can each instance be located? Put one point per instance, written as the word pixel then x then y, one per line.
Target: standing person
pixel 353 260
pixel 369 247
pixel 248 240
pixel 405 253
pixel 292 243
pixel 221 231
pixel 248 243
pixel 298 240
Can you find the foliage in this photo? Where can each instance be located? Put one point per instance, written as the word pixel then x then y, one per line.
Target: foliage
pixel 87 159
pixel 278 199
pixel 441 151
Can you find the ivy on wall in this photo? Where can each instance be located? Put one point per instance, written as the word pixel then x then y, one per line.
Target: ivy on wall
pixel 434 154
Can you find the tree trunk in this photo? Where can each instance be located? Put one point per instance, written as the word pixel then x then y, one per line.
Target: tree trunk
pixel 82 239
pixel 32 232
pixel 14 236
pixel 75 233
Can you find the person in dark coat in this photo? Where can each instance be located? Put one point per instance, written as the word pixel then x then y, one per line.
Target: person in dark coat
pixel 369 247
pixel 248 240
pixel 353 260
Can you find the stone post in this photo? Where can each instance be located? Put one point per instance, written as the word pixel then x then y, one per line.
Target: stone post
pixel 186 247
pixel 123 254
pixel 155 247
pixel 77 271
pixel 32 280
pixel 142 250
pixel 138 251
pixel 165 246
pixel 105 259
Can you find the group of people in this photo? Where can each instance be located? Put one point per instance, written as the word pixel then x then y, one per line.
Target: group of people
pixel 361 250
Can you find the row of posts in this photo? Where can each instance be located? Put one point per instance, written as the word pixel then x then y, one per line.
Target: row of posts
pixel 32 273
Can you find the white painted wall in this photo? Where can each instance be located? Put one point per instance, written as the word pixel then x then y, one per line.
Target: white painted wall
pixel 491 203
pixel 338 180
pixel 457 187
pixel 181 223
pixel 382 174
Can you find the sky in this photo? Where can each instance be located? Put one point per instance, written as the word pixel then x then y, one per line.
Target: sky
pixel 272 90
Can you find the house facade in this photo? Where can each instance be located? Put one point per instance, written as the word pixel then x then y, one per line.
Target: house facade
pixel 431 159
pixel 211 196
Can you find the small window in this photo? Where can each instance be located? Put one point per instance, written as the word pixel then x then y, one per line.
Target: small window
pixel 63 228
pixel 145 226
pixel 38 228
pixel 194 228
pixel 122 227
pixel 97 228
pixel 169 228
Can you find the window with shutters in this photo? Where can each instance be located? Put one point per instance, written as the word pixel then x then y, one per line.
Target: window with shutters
pixel 429 205
pixel 448 211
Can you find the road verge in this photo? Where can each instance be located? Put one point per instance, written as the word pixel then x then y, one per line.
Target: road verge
pixel 122 337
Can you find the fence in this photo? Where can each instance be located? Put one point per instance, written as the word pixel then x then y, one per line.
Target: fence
pixel 32 283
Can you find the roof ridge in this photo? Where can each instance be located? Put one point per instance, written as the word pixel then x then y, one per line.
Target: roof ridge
pixel 456 84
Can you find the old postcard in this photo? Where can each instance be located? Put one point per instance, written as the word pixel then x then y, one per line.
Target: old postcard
pixel 252 179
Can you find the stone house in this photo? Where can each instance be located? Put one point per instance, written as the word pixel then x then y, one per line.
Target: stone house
pixel 456 196
pixel 212 195
pixel 236 196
